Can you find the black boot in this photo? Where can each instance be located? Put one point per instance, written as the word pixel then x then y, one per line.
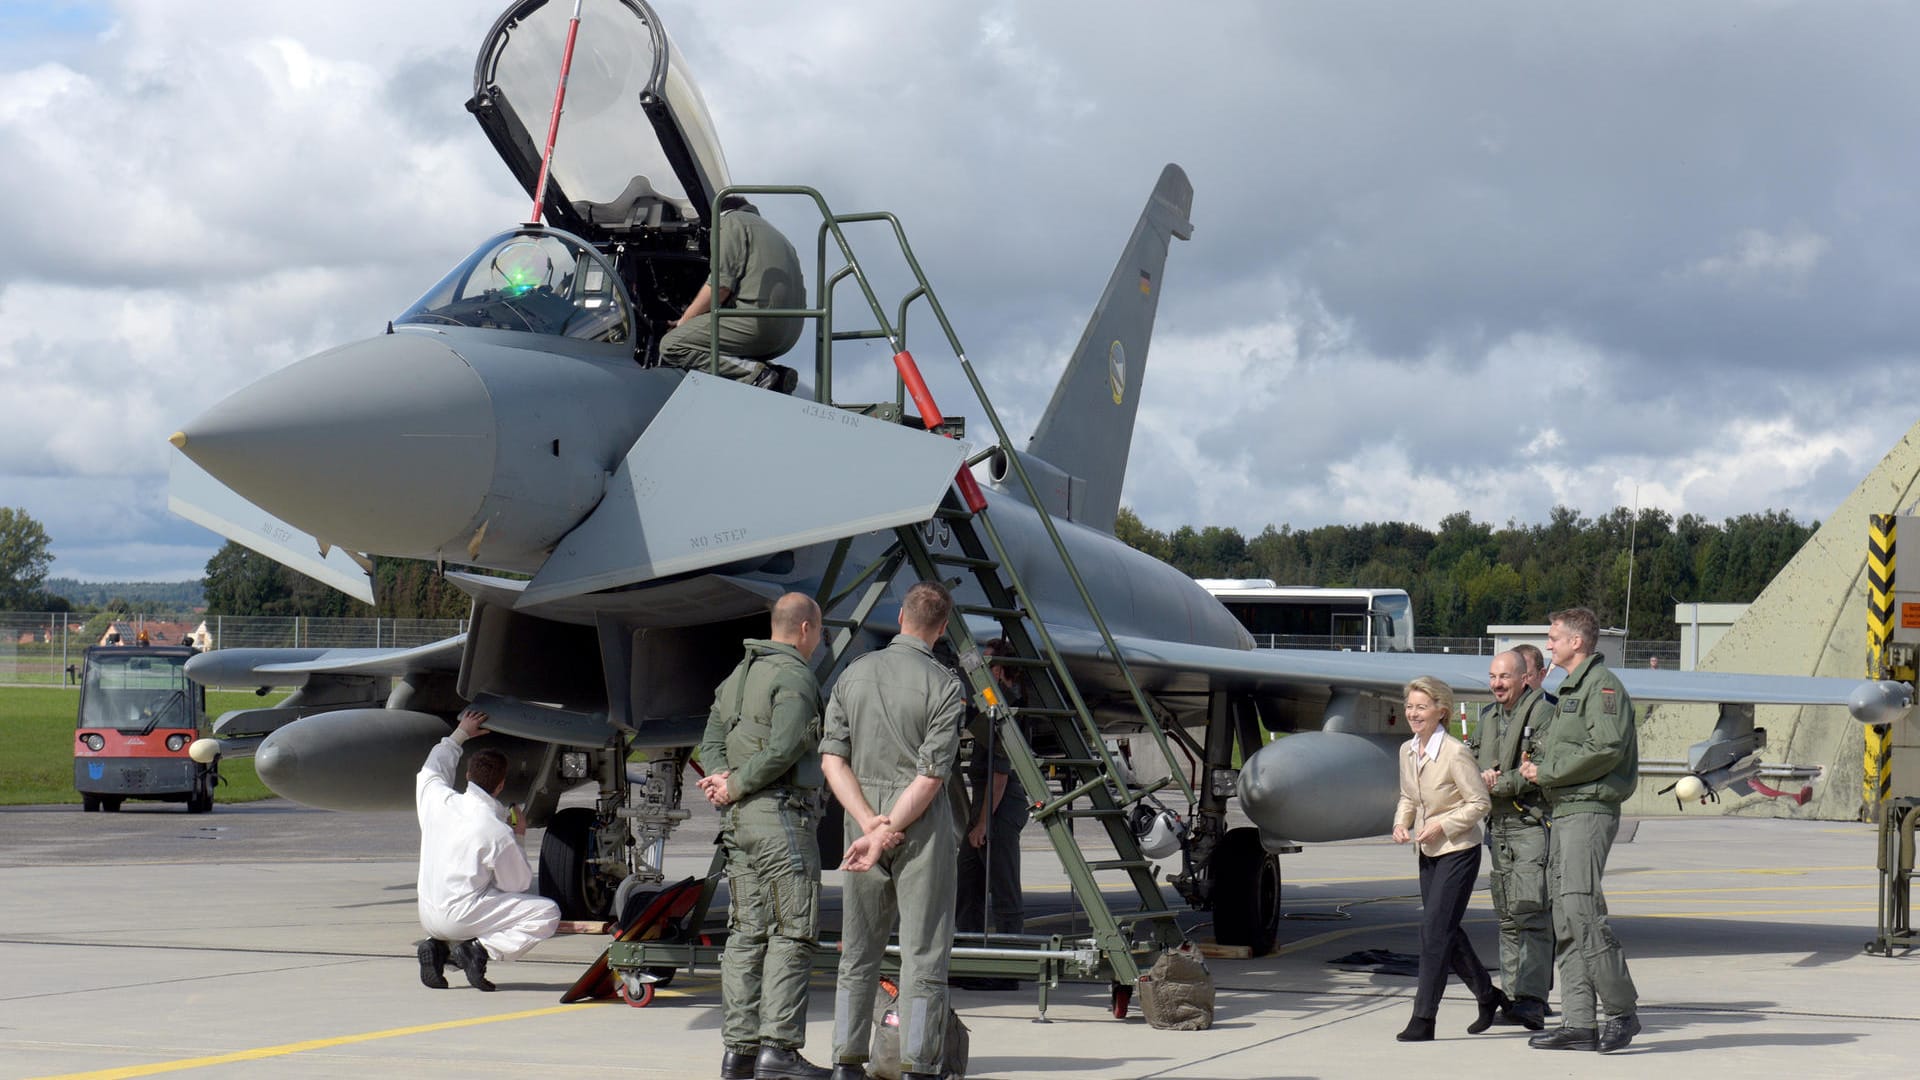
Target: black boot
pixel 1418 1029
pixel 1492 1003
pixel 1566 1038
pixel 738 1064
pixel 1529 1013
pixel 433 962
pixel 471 957
pixel 847 1071
pixel 1616 1032
pixel 785 1063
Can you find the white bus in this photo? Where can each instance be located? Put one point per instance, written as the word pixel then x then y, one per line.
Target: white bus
pixel 1307 617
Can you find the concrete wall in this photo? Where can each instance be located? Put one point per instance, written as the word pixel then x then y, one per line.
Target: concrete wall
pixel 1701 628
pixel 1612 642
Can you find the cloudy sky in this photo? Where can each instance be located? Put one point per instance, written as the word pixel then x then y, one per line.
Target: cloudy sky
pixel 1480 256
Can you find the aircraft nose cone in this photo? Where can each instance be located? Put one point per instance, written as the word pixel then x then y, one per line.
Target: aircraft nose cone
pixel 384 446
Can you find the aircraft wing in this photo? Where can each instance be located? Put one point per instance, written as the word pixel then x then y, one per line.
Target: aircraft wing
pixel 294 667
pixel 1169 665
pixel 197 496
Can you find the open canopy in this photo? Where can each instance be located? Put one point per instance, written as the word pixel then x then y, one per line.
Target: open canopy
pixel 636 146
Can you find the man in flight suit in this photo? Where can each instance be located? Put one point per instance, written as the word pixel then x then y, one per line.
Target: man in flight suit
pixel 756 268
pixel 761 752
pixel 1517 830
pixel 473 875
pixel 1587 762
pixel 893 730
pixel 1536 676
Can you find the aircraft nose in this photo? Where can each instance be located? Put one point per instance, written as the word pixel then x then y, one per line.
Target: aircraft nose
pixel 384 446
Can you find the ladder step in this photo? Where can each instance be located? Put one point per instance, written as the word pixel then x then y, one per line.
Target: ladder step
pixel 1033 662
pixel 954 513
pixel 1111 811
pixel 965 560
pixel 1003 614
pixel 1024 711
pixel 1144 916
pixel 1118 864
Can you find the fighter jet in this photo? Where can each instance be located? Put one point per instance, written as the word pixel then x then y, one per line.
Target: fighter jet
pixel 626 525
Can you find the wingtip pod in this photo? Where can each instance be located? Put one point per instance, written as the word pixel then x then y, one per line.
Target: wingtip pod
pixel 1880 702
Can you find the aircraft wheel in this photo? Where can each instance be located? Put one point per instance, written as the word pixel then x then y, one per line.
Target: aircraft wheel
pixel 1246 892
pixel 89 803
pixel 110 803
pixel 568 874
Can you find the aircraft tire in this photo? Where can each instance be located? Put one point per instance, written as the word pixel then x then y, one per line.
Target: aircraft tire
pixel 567 873
pixel 1246 894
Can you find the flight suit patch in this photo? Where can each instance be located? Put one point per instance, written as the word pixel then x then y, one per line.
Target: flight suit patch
pixel 1569 704
pixel 1610 702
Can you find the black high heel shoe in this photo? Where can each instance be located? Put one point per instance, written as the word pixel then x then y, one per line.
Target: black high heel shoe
pixel 1419 1029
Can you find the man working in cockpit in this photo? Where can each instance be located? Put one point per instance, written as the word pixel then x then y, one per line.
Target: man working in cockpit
pixel 754 267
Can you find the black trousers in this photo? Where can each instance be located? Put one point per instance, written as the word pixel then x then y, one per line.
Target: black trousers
pixel 994 870
pixel 1446 882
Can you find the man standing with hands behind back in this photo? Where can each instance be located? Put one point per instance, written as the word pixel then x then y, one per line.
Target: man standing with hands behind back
pixel 761 751
pixel 1587 763
pixel 893 731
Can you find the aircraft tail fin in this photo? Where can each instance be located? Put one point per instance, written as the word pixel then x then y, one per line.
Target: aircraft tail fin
pixel 1088 426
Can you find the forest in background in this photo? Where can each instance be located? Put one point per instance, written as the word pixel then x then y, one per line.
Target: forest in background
pixel 1469 575
pixel 1462 577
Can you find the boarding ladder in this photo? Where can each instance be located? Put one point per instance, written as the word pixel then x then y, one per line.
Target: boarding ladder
pixel 961 542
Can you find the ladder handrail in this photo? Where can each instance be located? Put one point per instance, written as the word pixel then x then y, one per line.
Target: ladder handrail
pixel 833 224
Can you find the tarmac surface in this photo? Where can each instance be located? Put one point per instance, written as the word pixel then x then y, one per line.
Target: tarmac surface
pixel 267 940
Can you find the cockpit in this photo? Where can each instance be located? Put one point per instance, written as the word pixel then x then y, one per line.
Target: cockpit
pixel 535 280
pixel 636 165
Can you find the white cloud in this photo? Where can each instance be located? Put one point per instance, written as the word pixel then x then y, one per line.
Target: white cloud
pixel 1433 269
pixel 1780 261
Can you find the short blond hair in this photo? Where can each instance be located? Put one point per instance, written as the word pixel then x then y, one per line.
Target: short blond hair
pixel 1440 692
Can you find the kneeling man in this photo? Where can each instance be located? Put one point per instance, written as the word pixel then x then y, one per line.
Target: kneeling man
pixel 474 879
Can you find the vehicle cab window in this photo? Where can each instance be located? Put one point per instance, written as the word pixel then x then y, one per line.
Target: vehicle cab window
pixel 534 280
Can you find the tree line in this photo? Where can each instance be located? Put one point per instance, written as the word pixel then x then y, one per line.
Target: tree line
pixel 1469 575
pixel 1462 577
pixel 240 581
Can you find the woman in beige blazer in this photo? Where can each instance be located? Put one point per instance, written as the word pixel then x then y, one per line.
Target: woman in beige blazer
pixel 1442 803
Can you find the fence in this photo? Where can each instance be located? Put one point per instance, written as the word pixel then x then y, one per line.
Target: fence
pixel 38 647
pixel 1662 654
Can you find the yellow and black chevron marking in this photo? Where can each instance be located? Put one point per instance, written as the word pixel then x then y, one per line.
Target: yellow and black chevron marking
pixel 1880 555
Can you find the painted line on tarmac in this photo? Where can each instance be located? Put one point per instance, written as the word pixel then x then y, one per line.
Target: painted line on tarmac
pixel 262 1052
pixel 1611 893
